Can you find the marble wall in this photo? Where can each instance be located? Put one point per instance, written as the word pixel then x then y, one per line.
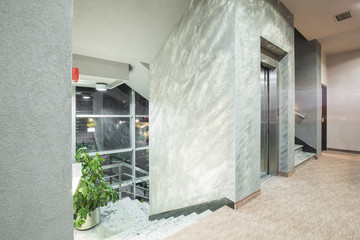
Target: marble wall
pixel 271 20
pixel 191 109
pixel 205 102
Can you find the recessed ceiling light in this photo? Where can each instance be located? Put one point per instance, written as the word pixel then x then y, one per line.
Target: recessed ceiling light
pixel 86 97
pixel 101 87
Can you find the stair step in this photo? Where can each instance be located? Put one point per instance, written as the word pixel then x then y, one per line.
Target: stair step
pixel 298 148
pixel 128 219
pixel 301 157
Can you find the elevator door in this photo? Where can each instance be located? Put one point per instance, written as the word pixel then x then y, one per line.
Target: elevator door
pixel 269 122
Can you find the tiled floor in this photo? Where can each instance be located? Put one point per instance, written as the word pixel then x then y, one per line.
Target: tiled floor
pixel 319 201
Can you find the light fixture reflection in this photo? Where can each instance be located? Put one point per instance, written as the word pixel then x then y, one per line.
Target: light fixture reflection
pixel 102 87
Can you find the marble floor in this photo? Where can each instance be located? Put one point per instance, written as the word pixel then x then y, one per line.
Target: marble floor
pixel 321 200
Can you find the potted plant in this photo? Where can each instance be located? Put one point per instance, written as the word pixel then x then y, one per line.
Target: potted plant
pixel 92 193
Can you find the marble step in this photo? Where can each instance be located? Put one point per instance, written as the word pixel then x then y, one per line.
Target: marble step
pixel 166 227
pixel 301 157
pixel 298 148
pixel 128 219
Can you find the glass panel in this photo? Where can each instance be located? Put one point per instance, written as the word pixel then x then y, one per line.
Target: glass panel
pixel 142 160
pixel 142 131
pixel 116 158
pixel 111 175
pixel 114 101
pixel 141 191
pixel 129 189
pixel 126 173
pixel 140 174
pixel 142 105
pixel 101 134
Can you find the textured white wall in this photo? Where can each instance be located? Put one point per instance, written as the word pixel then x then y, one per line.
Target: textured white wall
pixel 271 20
pixel 191 110
pixel 205 102
pixel 35 129
pixel 343 101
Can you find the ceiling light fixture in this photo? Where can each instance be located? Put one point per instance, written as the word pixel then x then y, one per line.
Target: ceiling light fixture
pixel 86 97
pixel 101 87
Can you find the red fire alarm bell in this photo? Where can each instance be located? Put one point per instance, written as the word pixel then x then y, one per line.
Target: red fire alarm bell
pixel 75 74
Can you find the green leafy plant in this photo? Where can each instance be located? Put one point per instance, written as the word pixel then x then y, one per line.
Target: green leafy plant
pixel 93 191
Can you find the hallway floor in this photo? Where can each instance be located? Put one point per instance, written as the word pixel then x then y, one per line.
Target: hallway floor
pixel 321 200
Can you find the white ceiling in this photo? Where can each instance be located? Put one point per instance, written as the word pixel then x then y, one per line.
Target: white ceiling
pixel 133 31
pixel 314 19
pixel 129 31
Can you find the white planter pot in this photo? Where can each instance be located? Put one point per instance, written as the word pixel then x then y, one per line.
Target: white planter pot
pixel 92 221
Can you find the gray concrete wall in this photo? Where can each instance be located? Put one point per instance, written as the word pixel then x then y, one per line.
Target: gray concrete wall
pixel 308 90
pixel 205 102
pixel 343 126
pixel 191 110
pixel 271 20
pixel 35 129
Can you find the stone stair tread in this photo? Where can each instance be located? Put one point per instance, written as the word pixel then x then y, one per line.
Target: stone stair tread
pixel 298 146
pixel 302 156
pixel 128 219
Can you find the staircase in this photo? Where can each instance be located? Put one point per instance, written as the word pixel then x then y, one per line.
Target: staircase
pixel 301 157
pixel 128 219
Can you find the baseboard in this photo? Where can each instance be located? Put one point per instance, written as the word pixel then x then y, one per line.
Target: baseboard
pixel 343 150
pixel 198 208
pixel 286 174
pixel 247 199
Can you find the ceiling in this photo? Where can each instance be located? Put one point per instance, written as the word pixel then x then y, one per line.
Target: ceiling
pixel 133 31
pixel 314 19
pixel 129 31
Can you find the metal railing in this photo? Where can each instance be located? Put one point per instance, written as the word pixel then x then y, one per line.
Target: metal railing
pixel 133 181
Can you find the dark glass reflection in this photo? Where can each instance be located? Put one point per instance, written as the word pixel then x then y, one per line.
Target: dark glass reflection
pixel 102 134
pixel 126 173
pixel 111 175
pixel 114 101
pixel 142 160
pixel 128 189
pixel 142 105
pixel 142 131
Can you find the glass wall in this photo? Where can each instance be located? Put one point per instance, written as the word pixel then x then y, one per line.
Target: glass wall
pixel 115 124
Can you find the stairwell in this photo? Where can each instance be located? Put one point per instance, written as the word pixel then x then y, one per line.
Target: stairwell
pixel 128 219
pixel 301 156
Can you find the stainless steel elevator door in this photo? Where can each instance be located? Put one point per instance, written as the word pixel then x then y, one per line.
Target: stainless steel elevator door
pixel 269 122
pixel 264 81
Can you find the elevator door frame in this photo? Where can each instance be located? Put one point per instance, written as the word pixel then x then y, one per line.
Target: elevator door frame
pixel 271 65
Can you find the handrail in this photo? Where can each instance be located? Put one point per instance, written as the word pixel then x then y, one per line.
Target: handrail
pixel 136 194
pixel 145 189
pixel 300 114
pixel 123 150
pixel 134 167
pixel 129 182
pixel 125 165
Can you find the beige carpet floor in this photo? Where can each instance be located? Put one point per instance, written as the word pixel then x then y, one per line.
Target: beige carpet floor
pixel 321 200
